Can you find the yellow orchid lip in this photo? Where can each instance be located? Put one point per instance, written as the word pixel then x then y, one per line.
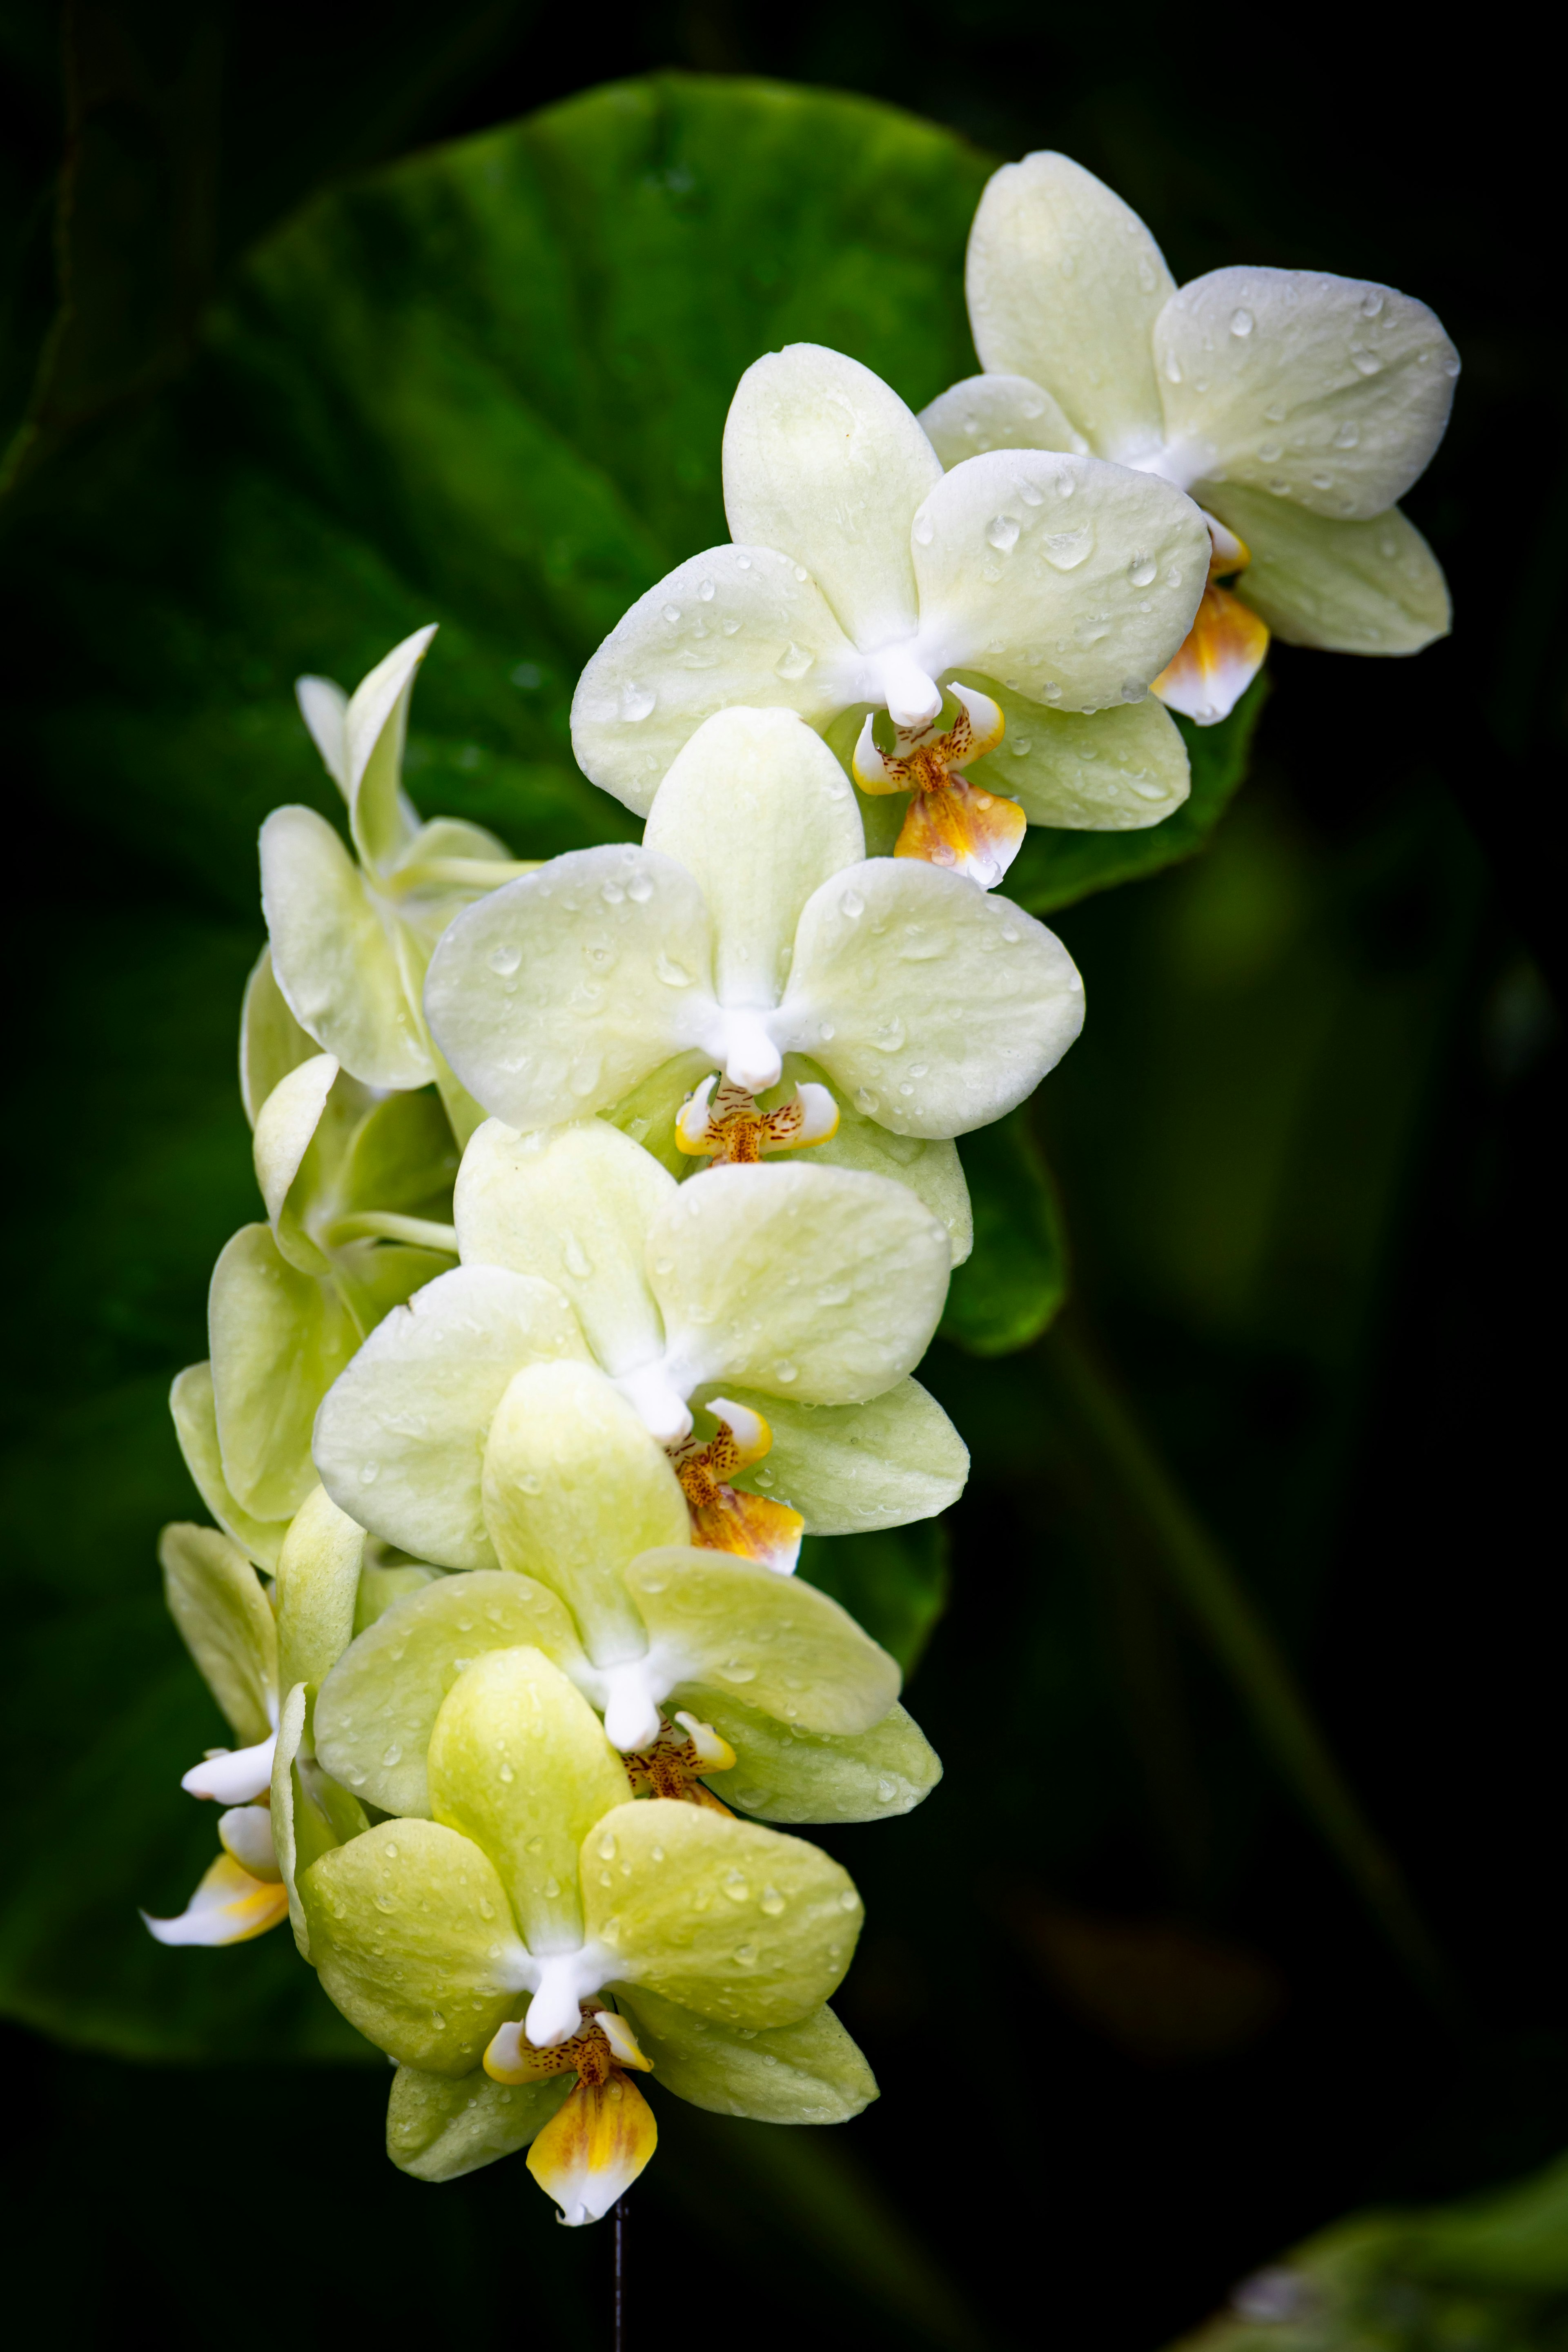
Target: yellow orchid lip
pixel 1222 654
pixel 673 1764
pixel 722 1518
pixel 228 1906
pixel 722 1122
pixel 950 822
pixel 594 2146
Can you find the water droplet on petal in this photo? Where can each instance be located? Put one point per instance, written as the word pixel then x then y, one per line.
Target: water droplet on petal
pixel 1002 532
pixel 1242 322
pixel 1142 570
pixel 637 702
pixel 504 959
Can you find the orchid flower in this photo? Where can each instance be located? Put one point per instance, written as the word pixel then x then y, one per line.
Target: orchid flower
pixel 788 1294
pixel 702 1665
pixel 750 925
pixel 861 577
pixel 1295 407
pixel 539 1876
pixel 350 940
pixel 357 1190
pixel 250 1643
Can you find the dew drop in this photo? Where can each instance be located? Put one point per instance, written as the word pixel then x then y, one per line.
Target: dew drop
pixel 637 702
pixel 786 1371
pixel 1141 571
pixel 1242 322
pixel 504 959
pixel 672 614
pixel 925 530
pixel 1371 304
pixel 1066 549
pixel 639 890
pixel 1366 364
pixel 369 1472
pixel 673 974
pixel 773 1902
pixel 852 904
pixel 1002 532
pixel 705 590
pixel 795 661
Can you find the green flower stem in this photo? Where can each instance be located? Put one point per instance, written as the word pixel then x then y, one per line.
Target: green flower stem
pixel 1248 1651
pixel 456 872
pixel 385 1224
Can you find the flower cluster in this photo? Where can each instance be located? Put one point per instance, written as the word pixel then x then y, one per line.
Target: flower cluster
pixel 612 1202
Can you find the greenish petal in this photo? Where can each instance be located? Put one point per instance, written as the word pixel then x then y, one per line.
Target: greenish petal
pixel 437 2128
pixel 317 1590
pixel 809 2072
pixel 379 1588
pixel 1344 587
pixel 402 1157
pixel 412 1936
pixel 312 1814
pixel 377 1707
pixel 336 955
pixel 785 1774
pixel 648 1114
pixel 518 1762
pixel 302 1133
pixel 399 1441
pixel 847 1468
pixel 573 1207
pixel 215 1597
pixel 574 1489
pixel 374 1277
pixel 930 1166
pixel 278 1339
pixel 1113 770
pixel 195 1411
pixel 375 728
pixel 786 1647
pixel 271 1042
pixel 736 1922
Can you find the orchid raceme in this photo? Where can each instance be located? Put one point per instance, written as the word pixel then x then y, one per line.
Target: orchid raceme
pixel 1295 407
pixel 478 1935
pixel 793 1293
pixel 861 578
pixel 350 940
pixel 357 1190
pixel 591 1523
pixel 751 925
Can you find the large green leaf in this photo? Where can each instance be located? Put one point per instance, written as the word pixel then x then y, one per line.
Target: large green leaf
pixel 1016 1278
pixel 487 388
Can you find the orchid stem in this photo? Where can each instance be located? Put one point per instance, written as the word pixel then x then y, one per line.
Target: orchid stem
pixel 1246 1647
pixel 619 2332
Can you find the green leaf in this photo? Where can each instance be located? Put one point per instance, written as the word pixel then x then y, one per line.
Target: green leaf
pixel 1054 867
pixel 1017 1277
pixel 892 1582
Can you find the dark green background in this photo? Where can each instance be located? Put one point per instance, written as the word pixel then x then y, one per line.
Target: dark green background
pixel 1302 1150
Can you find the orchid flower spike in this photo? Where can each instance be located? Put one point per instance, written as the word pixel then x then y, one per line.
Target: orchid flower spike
pixel 351 937
pixel 751 925
pixel 702 1664
pixel 358 1193
pixel 800 1295
pixel 861 578
pixel 1294 406
pixel 483 1934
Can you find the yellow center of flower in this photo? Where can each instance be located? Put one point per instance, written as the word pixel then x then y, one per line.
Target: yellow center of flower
pixel 675 1765
pixel 950 822
pixel 722 1518
pixel 725 1124
pixel 1224 649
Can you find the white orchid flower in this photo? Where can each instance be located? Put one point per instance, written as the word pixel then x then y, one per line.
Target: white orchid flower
pixel 350 940
pixel 861 577
pixel 794 1299
pixel 1295 407
pixel 751 925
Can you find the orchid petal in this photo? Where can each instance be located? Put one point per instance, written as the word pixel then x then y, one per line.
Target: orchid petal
pixel 336 961
pixel 271 1042
pixel 215 1597
pixel 312 1814
pixel 823 459
pixel 232 1776
pixel 375 726
pixel 1223 652
pixel 1344 587
pixel 1332 391
pixel 757 810
pixel 400 1435
pixel 1070 580
pixel 324 706
pixel 850 1468
pixel 573 1207
pixel 574 1489
pixel 244 1832
pixel 377 1707
pixel 520 1763
pixel 935 1006
pixel 809 2072
pixel 727 1624
pixel 1064 284
pixel 735 625
pixel 412 1935
pixel 997 412
pixel 813 1283
pixel 195 1412
pixel 280 1339
pixel 594 2148
pixel 783 1773
pixel 228 1906
pixel 554 996
pixel 317 1590
pixel 1112 770
pixel 732 1920
pixel 438 2129
pixel 285 1130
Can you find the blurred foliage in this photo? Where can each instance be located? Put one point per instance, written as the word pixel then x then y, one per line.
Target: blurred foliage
pixel 485 386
